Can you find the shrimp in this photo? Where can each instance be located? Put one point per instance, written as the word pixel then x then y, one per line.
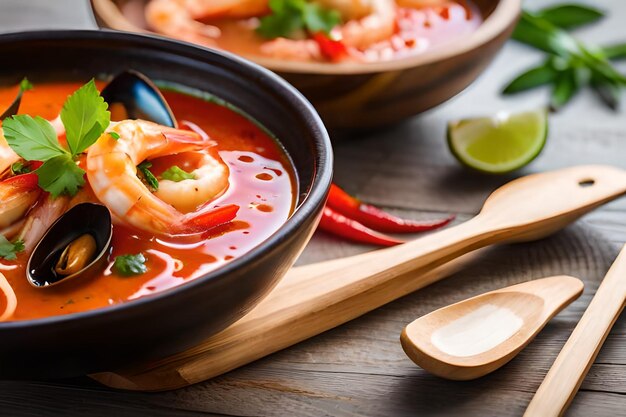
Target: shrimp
pixel 172 18
pixel 111 170
pixel 207 9
pixel 377 25
pixel 367 22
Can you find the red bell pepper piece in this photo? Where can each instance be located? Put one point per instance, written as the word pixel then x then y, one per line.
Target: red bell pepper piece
pixel 331 49
pixel 340 225
pixel 206 220
pixel 375 218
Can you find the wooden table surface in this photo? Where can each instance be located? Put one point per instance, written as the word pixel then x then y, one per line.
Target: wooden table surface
pixel 359 368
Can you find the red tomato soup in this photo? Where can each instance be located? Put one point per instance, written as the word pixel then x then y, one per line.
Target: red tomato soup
pixel 261 182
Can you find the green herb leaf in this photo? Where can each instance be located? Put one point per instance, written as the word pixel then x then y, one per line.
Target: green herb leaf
pixel 26 85
pixel 176 174
pixel 617 51
pixel 8 249
pixel 85 117
pixel 114 135
pixel 539 33
pixel 534 77
pixel 128 265
pixel 148 176
pixel 569 16
pixel 34 139
pixel 61 175
pixel 317 19
pixel 291 17
pixel 565 87
pixel 18 168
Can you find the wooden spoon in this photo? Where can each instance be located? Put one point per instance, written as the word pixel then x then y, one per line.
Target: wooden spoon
pixel 476 336
pixel 314 298
pixel 569 369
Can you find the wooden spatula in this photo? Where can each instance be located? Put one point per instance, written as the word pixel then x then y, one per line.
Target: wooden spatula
pixel 314 298
pixel 571 366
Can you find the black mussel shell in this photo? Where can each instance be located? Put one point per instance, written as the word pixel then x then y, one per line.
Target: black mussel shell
pixel 94 219
pixel 140 97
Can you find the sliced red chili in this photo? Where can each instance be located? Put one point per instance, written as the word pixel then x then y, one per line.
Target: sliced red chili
pixel 212 218
pixel 331 49
pixel 375 218
pixel 337 224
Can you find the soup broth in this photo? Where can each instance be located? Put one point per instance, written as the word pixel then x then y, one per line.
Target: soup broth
pixel 262 183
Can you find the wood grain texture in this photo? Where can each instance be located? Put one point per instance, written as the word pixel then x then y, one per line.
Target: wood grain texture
pixel 573 362
pixel 533 303
pixel 359 368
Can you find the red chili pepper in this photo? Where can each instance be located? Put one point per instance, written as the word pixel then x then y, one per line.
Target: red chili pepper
pixel 375 218
pixel 331 49
pixel 212 218
pixel 340 225
pixel 24 181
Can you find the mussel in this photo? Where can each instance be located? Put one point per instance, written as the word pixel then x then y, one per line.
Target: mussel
pixel 140 98
pixel 76 245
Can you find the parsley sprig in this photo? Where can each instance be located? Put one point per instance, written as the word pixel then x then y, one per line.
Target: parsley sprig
pixel 131 264
pixel 85 116
pixel 570 64
pixel 8 249
pixel 288 18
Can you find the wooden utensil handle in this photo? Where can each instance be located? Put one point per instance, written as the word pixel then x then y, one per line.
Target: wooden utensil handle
pixel 310 300
pixel 571 366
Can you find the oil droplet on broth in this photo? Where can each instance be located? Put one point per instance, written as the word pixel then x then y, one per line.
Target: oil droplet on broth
pixel 265 208
pixel 264 176
pixel 245 158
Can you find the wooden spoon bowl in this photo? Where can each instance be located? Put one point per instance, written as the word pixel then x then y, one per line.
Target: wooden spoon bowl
pixel 476 336
pixel 359 96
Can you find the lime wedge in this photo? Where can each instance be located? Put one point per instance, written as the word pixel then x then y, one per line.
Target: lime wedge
pixel 499 144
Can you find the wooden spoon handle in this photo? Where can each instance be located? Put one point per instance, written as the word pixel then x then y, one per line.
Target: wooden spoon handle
pixel 571 366
pixel 308 301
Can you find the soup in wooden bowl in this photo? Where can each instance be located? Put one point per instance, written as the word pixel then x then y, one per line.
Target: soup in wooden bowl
pixel 361 63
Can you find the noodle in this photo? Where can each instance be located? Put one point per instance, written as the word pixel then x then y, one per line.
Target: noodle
pixel 5 287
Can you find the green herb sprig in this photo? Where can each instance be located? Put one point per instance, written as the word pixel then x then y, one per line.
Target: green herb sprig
pixel 8 249
pixel 288 18
pixel 84 116
pixel 147 175
pixel 571 64
pixel 128 265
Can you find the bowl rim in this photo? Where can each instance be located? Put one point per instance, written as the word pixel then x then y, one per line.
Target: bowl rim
pixel 315 196
pixel 504 15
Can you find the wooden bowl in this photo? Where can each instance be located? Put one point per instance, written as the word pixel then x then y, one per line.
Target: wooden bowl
pixel 356 96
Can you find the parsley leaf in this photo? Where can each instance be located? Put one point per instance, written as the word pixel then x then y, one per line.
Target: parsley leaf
pixel 289 17
pixel 9 250
pixel 61 175
pixel 85 117
pixel 176 174
pixel 128 265
pixel 34 139
pixel 148 176
pixel 114 135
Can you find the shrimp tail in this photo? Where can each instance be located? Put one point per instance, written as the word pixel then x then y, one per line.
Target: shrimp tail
pixel 204 220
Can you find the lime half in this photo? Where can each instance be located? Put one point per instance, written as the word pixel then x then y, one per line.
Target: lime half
pixel 499 144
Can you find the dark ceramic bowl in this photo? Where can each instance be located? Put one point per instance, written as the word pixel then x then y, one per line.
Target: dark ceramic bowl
pixel 168 322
